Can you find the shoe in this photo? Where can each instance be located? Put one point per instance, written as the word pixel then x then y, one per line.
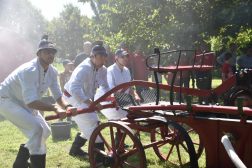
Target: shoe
pixel 38 161
pixel 22 158
pixel 99 156
pixel 60 120
pixel 117 141
pixel 76 146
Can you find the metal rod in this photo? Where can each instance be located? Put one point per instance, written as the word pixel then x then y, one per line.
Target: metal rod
pixel 157 84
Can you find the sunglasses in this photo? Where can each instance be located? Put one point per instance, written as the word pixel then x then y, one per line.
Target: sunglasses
pixel 125 56
pixel 50 51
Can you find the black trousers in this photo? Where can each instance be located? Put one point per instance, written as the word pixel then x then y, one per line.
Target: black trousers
pixel 185 83
pixel 204 74
pixel 233 69
pixel 139 89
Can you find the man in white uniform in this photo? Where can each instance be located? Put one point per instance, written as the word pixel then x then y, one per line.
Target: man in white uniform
pixel 20 95
pixel 79 91
pixel 116 75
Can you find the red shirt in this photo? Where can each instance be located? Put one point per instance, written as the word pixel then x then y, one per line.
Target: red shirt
pixel 169 78
pixel 109 60
pixel 184 63
pixel 207 60
pixel 227 69
pixel 130 58
pixel 140 68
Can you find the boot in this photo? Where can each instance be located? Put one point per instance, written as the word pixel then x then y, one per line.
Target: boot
pixel 98 156
pixel 76 146
pixel 117 141
pixel 38 161
pixel 22 158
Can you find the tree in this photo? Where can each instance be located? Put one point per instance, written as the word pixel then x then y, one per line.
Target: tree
pixel 69 31
pixel 168 24
pixel 23 18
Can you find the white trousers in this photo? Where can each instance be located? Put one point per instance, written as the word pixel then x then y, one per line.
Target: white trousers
pixel 112 113
pixel 87 122
pixel 33 126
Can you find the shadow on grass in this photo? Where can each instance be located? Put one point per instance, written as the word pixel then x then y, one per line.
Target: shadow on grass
pixel 55 140
pixel 83 158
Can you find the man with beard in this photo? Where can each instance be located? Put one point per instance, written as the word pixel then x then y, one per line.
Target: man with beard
pixel 79 91
pixel 20 100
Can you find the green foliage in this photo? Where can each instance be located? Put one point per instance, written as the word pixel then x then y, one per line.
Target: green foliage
pixel 169 24
pixel 69 31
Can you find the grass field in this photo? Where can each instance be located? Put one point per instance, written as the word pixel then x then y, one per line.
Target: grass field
pixel 57 155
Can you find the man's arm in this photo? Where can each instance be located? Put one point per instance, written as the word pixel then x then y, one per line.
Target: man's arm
pixel 223 77
pixel 132 70
pixel 221 59
pixel 240 61
pixel 76 61
pixel 39 105
pixel 134 94
pixel 61 82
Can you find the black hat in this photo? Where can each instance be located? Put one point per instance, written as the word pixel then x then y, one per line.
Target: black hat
pixel 67 62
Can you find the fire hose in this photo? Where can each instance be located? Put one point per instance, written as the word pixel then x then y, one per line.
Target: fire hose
pixel 230 150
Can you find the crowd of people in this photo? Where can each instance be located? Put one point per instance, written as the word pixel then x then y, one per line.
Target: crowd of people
pixel 93 73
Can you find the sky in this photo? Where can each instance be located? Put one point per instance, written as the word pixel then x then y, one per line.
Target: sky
pixel 52 8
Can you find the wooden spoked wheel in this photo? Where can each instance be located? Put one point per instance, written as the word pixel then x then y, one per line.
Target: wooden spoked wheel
pixel 174 149
pixel 133 156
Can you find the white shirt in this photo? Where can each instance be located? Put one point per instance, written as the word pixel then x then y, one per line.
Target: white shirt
pixel 116 76
pixel 85 80
pixel 29 82
pixel 159 75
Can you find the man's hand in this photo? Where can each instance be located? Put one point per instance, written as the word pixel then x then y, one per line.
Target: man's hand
pixel 99 107
pixel 61 113
pixel 137 98
pixel 73 110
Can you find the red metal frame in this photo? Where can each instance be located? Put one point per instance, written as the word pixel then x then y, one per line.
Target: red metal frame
pixel 183 68
pixel 210 131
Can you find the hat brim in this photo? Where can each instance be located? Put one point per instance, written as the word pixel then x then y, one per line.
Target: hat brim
pixel 99 53
pixel 122 54
pixel 47 46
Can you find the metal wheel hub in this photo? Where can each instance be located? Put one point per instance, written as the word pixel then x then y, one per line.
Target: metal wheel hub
pixel 111 160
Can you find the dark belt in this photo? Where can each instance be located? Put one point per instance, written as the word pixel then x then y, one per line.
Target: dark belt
pixel 66 93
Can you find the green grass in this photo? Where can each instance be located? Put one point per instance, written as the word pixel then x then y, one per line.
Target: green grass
pixel 57 155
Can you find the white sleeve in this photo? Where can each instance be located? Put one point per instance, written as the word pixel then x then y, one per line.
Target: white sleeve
pixel 105 86
pixel 76 84
pixel 55 88
pixel 28 78
pixel 111 79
